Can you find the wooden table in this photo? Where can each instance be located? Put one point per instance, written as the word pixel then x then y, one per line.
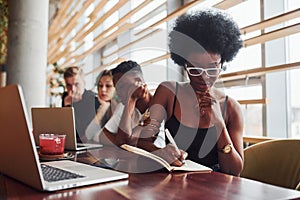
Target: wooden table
pixel 152 185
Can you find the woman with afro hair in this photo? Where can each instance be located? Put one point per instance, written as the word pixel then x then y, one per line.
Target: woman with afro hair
pixel 205 123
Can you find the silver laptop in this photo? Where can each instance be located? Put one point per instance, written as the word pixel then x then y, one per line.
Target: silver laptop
pixel 19 157
pixel 61 121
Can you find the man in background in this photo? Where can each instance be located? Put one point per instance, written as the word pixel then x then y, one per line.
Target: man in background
pixel 84 102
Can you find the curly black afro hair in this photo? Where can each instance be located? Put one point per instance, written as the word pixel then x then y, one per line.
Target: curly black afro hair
pixel 209 30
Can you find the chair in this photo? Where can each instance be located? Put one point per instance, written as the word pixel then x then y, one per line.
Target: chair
pixel 250 140
pixel 276 162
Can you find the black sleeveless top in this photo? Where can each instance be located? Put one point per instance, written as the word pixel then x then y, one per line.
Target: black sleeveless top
pixel 199 143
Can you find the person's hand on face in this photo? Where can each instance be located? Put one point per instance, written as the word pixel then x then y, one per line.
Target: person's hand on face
pixel 130 86
pixel 76 96
pixel 209 108
pixel 75 88
pixel 68 99
pixel 104 104
pixel 140 90
pixel 133 90
pixel 73 96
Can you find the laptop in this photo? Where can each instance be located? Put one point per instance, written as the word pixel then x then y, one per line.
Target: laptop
pixel 19 157
pixel 60 121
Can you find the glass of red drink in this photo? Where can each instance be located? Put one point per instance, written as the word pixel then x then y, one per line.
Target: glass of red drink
pixel 52 144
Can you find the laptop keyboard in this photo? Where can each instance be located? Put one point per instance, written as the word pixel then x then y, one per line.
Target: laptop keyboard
pixel 52 174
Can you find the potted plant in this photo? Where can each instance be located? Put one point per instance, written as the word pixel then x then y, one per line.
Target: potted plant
pixel 3 30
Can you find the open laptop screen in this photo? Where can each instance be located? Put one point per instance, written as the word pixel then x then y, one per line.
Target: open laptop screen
pixel 18 154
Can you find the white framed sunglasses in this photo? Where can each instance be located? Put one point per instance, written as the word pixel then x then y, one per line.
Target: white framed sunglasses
pixel 213 71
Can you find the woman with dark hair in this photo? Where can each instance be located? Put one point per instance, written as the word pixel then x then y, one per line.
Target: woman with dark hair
pixel 106 97
pixel 206 124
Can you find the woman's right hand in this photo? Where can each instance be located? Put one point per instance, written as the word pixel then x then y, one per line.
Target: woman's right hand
pixel 104 104
pixel 139 90
pixel 172 155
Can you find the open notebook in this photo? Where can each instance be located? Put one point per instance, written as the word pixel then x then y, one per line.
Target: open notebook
pixel 188 165
pixel 19 157
pixel 60 121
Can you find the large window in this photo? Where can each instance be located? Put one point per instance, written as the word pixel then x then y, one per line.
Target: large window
pixel 279 114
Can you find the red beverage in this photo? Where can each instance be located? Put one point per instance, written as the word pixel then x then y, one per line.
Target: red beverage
pixel 52 144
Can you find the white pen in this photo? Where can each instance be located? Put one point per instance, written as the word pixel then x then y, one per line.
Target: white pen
pixel 172 141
